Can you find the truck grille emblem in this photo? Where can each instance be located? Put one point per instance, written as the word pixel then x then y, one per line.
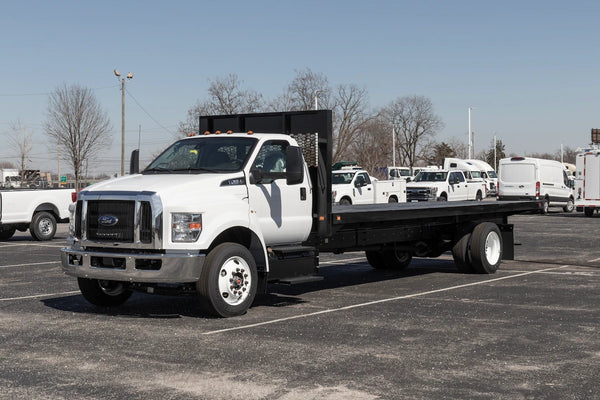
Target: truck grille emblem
pixel 108 220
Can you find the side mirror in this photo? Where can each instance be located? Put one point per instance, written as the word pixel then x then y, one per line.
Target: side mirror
pixel 134 162
pixel 294 165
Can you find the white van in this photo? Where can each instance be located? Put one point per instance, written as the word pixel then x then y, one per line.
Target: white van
pixel 525 178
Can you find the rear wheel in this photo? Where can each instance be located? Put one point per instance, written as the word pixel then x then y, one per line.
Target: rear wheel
pixel 228 280
pixel 43 226
pixel 460 253
pixel 375 259
pixel 478 196
pixel 545 206
pixel 6 232
pixel 486 248
pixel 104 293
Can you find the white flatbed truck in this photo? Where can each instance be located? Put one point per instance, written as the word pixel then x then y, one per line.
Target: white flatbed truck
pixel 249 202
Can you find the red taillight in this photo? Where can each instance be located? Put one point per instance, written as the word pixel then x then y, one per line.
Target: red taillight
pixel 537 189
pixel 73 197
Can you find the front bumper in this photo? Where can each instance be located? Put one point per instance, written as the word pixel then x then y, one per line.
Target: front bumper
pixel 128 267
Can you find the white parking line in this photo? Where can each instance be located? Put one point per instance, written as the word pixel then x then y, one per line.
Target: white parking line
pixel 39 296
pixel 32 244
pixel 29 264
pixel 370 303
pixel 594 260
pixel 343 261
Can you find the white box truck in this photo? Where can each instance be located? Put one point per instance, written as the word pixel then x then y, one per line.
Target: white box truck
pixel 527 178
pixel 587 180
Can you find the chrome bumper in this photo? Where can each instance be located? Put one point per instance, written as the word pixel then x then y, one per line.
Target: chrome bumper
pixel 147 268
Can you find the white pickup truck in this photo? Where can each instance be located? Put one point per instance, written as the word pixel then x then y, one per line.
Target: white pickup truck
pixel 444 185
pixel 36 210
pixel 357 187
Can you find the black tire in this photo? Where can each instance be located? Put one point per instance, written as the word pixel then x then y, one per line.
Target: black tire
pixel 443 197
pixel 478 196
pixel 545 206
pixel 345 202
pixel 486 248
pixel 393 199
pixel 42 226
pixel 228 281
pixel 396 259
pixel 7 232
pixel 375 259
pixel 588 211
pixel 570 206
pixel 460 253
pixel 104 293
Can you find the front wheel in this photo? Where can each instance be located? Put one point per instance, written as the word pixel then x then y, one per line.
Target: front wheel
pixel 228 280
pixel 104 293
pixel 43 226
pixel 569 207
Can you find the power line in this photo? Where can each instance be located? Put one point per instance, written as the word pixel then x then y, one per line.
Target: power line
pixel 147 113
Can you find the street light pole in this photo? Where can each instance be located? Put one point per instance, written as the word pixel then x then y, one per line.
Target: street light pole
pixel 470 137
pixel 317 98
pixel 129 76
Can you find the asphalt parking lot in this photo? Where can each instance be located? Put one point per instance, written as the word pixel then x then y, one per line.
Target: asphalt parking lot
pixel 530 331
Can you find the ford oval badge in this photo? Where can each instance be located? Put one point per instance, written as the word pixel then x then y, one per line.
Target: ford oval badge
pixel 108 220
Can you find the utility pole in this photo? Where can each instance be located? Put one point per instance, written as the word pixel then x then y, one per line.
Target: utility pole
pixel 129 76
pixel 470 137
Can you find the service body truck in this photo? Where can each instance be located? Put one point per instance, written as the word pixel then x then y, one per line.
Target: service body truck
pixel 352 186
pixel 488 174
pixel 527 178
pixel 36 210
pixel 587 180
pixel 444 185
pixel 249 202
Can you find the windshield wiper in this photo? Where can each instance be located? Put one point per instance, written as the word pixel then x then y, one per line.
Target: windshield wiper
pixel 158 169
pixel 189 169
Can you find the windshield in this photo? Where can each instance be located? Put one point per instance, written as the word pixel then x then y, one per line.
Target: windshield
pixel 204 154
pixel 341 178
pixel 492 174
pixel 431 176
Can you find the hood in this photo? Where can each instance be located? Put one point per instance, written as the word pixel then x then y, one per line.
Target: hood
pixel 422 184
pixel 165 185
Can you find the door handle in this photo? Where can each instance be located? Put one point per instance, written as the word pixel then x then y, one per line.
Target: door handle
pixel 302 194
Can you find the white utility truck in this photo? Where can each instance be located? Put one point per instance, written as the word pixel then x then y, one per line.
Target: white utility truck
pixel 222 214
pixel 527 178
pixel 36 210
pixel 397 173
pixel 488 174
pixel 351 186
pixel 587 180
pixel 444 185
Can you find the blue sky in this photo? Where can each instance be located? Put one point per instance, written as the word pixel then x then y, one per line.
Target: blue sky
pixel 530 69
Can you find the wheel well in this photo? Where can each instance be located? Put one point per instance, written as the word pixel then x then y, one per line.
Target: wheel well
pixel 246 238
pixel 444 194
pixel 48 207
pixel 394 197
pixel 346 198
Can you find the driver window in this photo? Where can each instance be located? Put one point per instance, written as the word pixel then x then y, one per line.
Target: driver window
pixel 271 157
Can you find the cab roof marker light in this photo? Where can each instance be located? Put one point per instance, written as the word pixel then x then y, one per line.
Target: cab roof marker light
pixel 217 132
pixel 250 133
pixel 191 134
pixel 207 132
pixel 229 132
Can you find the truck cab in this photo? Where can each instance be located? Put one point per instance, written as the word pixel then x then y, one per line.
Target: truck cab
pixel 351 186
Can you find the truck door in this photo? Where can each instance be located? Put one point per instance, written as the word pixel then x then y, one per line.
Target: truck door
pixel 363 189
pixel 283 211
pixel 457 188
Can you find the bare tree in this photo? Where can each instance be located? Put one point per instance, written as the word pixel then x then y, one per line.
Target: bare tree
pixel 78 124
pixel 21 141
pixel 372 147
pixel 415 125
pixel 300 93
pixel 225 96
pixel 350 116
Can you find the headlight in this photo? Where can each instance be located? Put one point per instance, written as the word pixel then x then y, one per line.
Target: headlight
pixel 185 227
pixel 72 216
